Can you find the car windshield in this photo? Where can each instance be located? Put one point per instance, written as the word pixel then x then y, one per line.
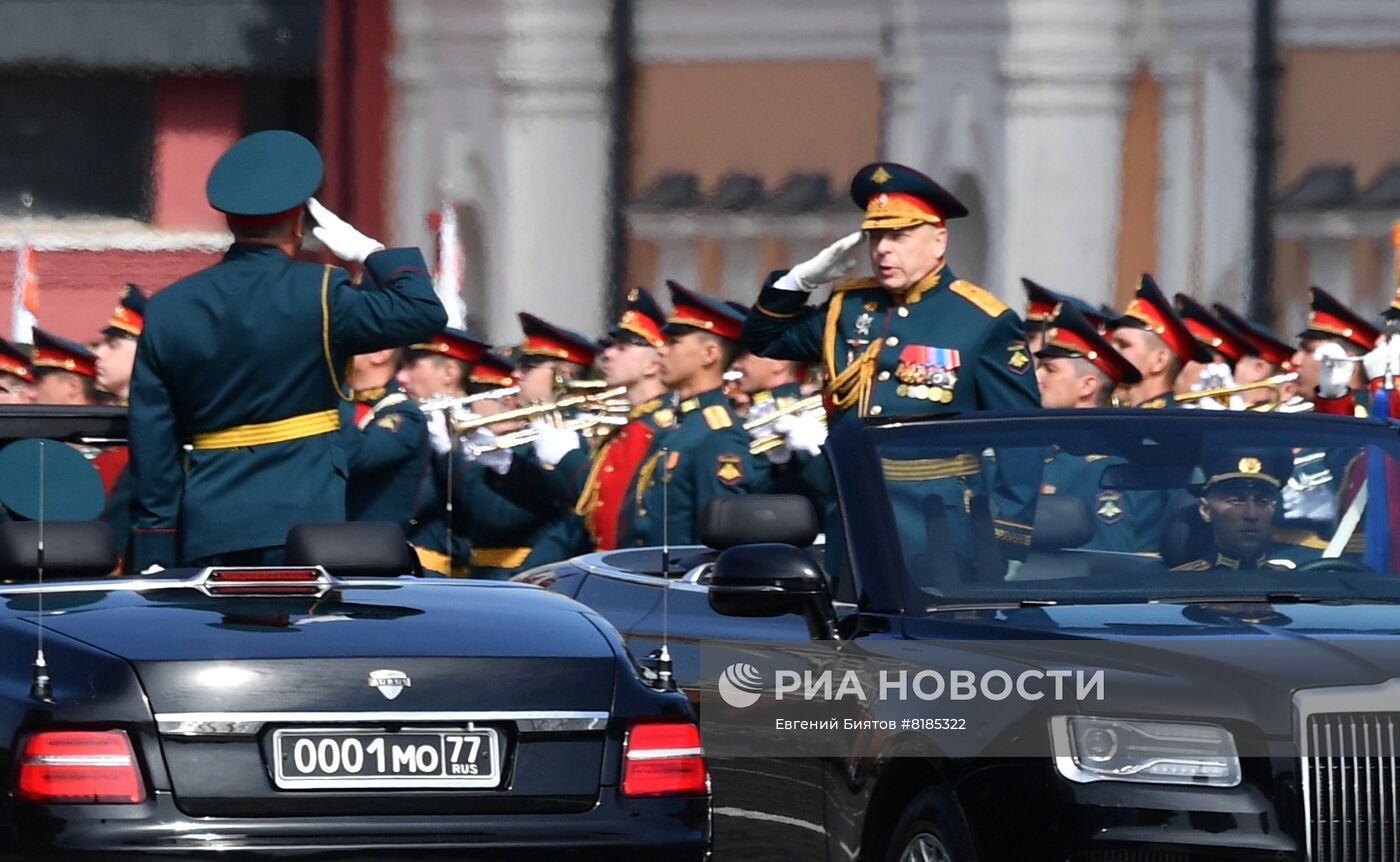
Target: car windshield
pixel 1129 506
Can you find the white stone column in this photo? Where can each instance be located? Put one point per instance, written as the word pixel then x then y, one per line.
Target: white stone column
pixel 677 260
pixel 1178 205
pixel 741 275
pixel 555 126
pixel 1066 73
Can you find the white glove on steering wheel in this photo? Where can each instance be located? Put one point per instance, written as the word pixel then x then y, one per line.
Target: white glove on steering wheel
pixel 1386 355
pixel 1334 380
pixel 340 236
pixel 825 267
pixel 552 444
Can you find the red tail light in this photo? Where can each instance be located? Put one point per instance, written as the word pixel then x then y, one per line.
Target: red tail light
pixel 664 758
pixel 75 766
pixel 266 582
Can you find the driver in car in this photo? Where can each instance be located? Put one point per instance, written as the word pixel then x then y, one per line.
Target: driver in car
pixel 1238 500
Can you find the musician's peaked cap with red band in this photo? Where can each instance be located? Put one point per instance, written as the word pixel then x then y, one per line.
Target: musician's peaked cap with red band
pixel 265 176
pixel 454 344
pixel 1151 311
pixel 895 196
pixel 492 370
pixel 51 351
pixel 547 341
pixel 1211 331
pixel 1262 340
pixel 641 320
pixel 128 318
pixel 1328 318
pixel 696 311
pixel 1041 303
pixel 14 362
pixel 1072 336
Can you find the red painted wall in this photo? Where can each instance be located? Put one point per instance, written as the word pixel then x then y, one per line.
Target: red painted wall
pixel 78 289
pixel 356 39
pixel 196 120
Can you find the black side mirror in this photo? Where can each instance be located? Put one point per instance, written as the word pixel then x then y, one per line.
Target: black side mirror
pixel 771 580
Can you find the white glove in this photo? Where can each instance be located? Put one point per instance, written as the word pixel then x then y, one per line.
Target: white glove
pixel 802 432
pixel 1386 355
pixel 496 460
pixel 438 438
pixel 1334 381
pixel 1214 376
pixel 552 444
pixel 340 236
pixel 828 265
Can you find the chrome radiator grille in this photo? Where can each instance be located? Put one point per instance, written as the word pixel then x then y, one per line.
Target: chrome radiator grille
pixel 1351 786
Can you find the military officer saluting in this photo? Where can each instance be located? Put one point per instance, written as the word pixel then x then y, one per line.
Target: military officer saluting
pixel 915 338
pixel 245 360
pixel 1152 336
pixel 706 454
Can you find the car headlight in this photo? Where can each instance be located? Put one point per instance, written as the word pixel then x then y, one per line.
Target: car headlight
pixel 1154 752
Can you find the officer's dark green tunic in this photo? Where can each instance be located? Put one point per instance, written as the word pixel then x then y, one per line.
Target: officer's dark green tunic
pixel 943 346
pixel 391 471
pixel 704 455
pixel 1122 520
pixel 245 342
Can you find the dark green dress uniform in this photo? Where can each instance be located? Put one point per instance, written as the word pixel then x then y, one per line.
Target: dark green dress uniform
pixel 704 455
pixel 1122 520
pixel 944 345
pixel 391 470
pixel 244 361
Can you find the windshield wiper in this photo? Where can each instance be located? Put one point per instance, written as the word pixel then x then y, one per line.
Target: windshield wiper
pixel 991 606
pixel 1279 598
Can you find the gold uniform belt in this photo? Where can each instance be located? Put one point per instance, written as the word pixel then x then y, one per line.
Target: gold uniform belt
pixel 924 469
pixel 437 561
pixel 500 558
pixel 263 433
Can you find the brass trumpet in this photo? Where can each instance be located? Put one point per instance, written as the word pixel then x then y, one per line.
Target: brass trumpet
pixel 1220 391
pixel 595 400
pixel 589 425
pixel 767 442
pixel 447 402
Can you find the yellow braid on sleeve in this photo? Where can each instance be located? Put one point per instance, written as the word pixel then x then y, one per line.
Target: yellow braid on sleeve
pixel 340 388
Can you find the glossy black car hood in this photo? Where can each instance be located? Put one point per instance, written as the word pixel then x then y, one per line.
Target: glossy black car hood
pixel 407 618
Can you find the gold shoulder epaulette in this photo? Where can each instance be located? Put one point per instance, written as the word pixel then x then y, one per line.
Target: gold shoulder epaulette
pixel 664 417
pixel 983 299
pixel 853 284
pixel 1193 566
pixel 717 417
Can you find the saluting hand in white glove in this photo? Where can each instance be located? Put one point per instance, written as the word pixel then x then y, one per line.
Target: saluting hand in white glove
pixel 340 236
pixel 825 267
pixel 1334 380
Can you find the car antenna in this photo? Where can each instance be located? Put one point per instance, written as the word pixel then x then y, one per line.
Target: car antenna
pixel 41 688
pixel 666 680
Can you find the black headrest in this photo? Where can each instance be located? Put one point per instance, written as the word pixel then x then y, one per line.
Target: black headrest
pixel 72 549
pixel 1185 536
pixel 354 549
pixel 750 519
pixel 1061 521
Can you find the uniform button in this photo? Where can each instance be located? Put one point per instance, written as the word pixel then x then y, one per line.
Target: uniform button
pixel 884 375
pixel 902 312
pixel 608 469
pixel 642 513
pixel 876 410
pixel 891 341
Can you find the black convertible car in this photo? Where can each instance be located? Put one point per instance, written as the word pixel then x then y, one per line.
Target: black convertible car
pixel 335 708
pixel 1228 581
